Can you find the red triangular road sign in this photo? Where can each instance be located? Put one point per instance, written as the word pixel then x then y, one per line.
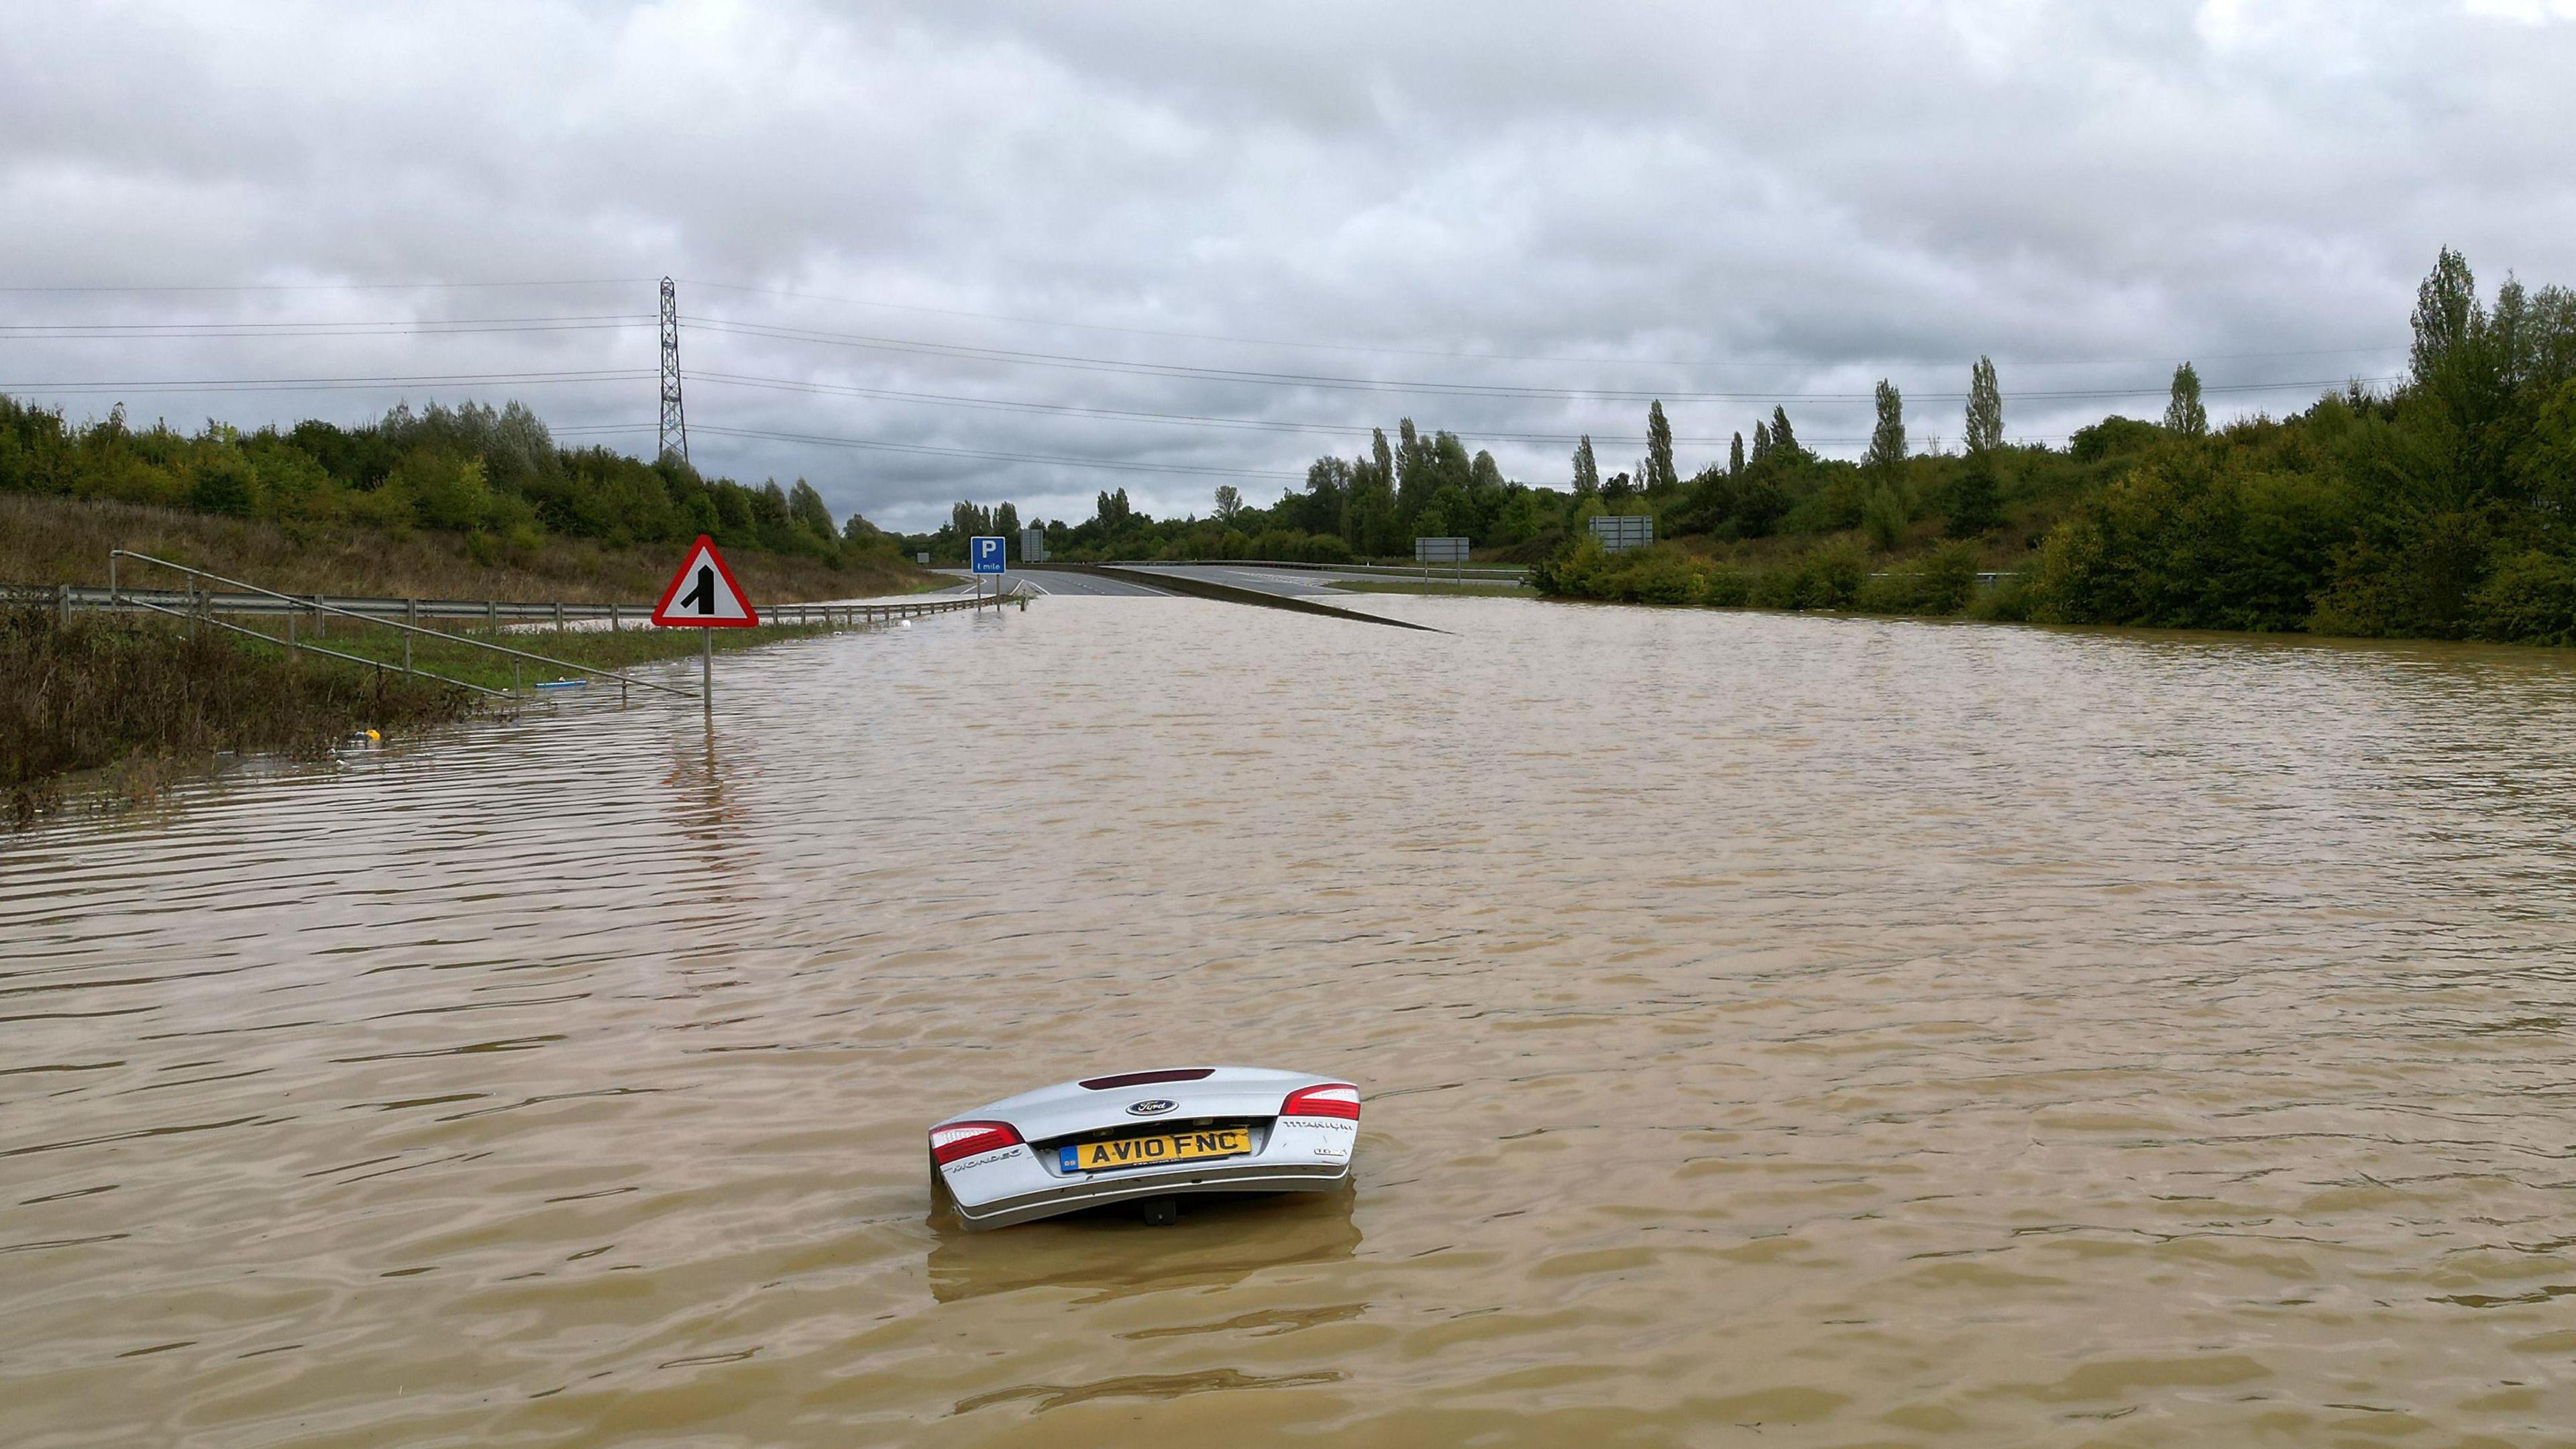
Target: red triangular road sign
pixel 703 594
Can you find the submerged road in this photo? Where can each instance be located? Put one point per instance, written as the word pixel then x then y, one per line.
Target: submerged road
pixel 1050 581
pixel 1293 583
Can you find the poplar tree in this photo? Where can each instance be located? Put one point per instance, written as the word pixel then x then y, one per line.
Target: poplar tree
pixel 1887 439
pixel 1658 469
pixel 2184 415
pixel 1985 408
pixel 2446 314
pixel 1587 474
pixel 1761 441
pixel 1735 456
pixel 806 506
pixel 1782 440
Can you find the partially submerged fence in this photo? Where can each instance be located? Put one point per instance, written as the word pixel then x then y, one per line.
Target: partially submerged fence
pixel 197 605
pixel 69 599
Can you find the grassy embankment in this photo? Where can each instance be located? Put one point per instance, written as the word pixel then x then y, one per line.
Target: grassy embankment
pixel 54 540
pixel 117 707
pixel 141 702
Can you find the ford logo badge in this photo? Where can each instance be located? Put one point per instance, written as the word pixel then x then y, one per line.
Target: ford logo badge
pixel 1151 1107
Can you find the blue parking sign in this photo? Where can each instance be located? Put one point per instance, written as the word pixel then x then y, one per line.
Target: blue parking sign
pixel 986 553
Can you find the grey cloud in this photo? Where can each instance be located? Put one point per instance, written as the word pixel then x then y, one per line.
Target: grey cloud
pixel 1704 198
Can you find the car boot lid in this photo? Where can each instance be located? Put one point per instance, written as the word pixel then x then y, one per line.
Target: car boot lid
pixel 1139 1098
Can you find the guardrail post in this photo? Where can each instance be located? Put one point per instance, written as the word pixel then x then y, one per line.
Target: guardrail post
pixel 492 615
pixel 411 616
pixel 63 604
pixel 321 624
pixel 558 616
pixel 615 623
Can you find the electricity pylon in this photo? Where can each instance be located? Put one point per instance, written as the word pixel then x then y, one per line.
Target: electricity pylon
pixel 675 423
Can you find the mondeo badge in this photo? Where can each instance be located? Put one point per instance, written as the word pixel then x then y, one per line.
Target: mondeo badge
pixel 1151 1107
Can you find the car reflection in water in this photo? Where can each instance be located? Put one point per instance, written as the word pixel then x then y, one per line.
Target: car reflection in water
pixel 1219 1240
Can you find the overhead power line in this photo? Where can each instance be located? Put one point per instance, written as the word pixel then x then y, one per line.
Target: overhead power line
pixel 1423 388
pixel 1176 334
pixel 281 384
pixel 136 331
pixel 1192 470
pixel 1267 425
pixel 124 288
pixel 1382 350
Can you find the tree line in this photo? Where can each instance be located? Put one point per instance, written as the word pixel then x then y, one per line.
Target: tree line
pixel 1373 505
pixel 493 475
pixel 2443 506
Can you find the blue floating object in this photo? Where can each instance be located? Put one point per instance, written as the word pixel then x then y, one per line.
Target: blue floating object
pixel 565 684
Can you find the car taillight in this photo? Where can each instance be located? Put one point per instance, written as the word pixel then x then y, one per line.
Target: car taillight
pixel 1339 1099
pixel 965 1139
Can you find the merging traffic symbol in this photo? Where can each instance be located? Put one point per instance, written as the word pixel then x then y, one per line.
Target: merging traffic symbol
pixel 703 594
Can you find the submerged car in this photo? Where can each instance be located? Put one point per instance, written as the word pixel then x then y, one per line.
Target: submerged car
pixel 1146 1138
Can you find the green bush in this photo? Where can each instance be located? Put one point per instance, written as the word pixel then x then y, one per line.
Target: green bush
pixel 1883 516
pixel 2010 601
pixel 1941 582
pixel 1326 548
pixel 1829 578
pixel 1973 504
pixel 1662 576
pixel 2529 599
pixel 2197 538
pixel 1657 575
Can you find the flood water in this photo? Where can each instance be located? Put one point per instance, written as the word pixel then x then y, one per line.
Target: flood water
pixel 1774 1030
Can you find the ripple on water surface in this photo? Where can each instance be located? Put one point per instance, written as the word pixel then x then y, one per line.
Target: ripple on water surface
pixel 1854 1031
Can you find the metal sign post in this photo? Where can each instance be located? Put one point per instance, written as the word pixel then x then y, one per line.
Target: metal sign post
pixel 1451 551
pixel 988 554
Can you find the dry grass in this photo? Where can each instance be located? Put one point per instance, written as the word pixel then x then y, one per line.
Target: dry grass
pixel 47 540
pixel 139 697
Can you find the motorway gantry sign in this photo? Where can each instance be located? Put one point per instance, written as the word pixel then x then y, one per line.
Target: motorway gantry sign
pixel 984 553
pixel 703 594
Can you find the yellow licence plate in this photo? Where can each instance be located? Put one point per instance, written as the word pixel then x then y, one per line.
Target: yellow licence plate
pixel 1147 1151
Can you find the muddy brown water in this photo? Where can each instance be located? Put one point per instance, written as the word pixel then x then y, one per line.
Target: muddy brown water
pixel 1775 1030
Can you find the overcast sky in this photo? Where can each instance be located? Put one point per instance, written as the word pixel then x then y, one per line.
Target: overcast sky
pixel 1314 218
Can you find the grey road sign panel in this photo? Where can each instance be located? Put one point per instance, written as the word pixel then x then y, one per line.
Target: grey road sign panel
pixel 1621 533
